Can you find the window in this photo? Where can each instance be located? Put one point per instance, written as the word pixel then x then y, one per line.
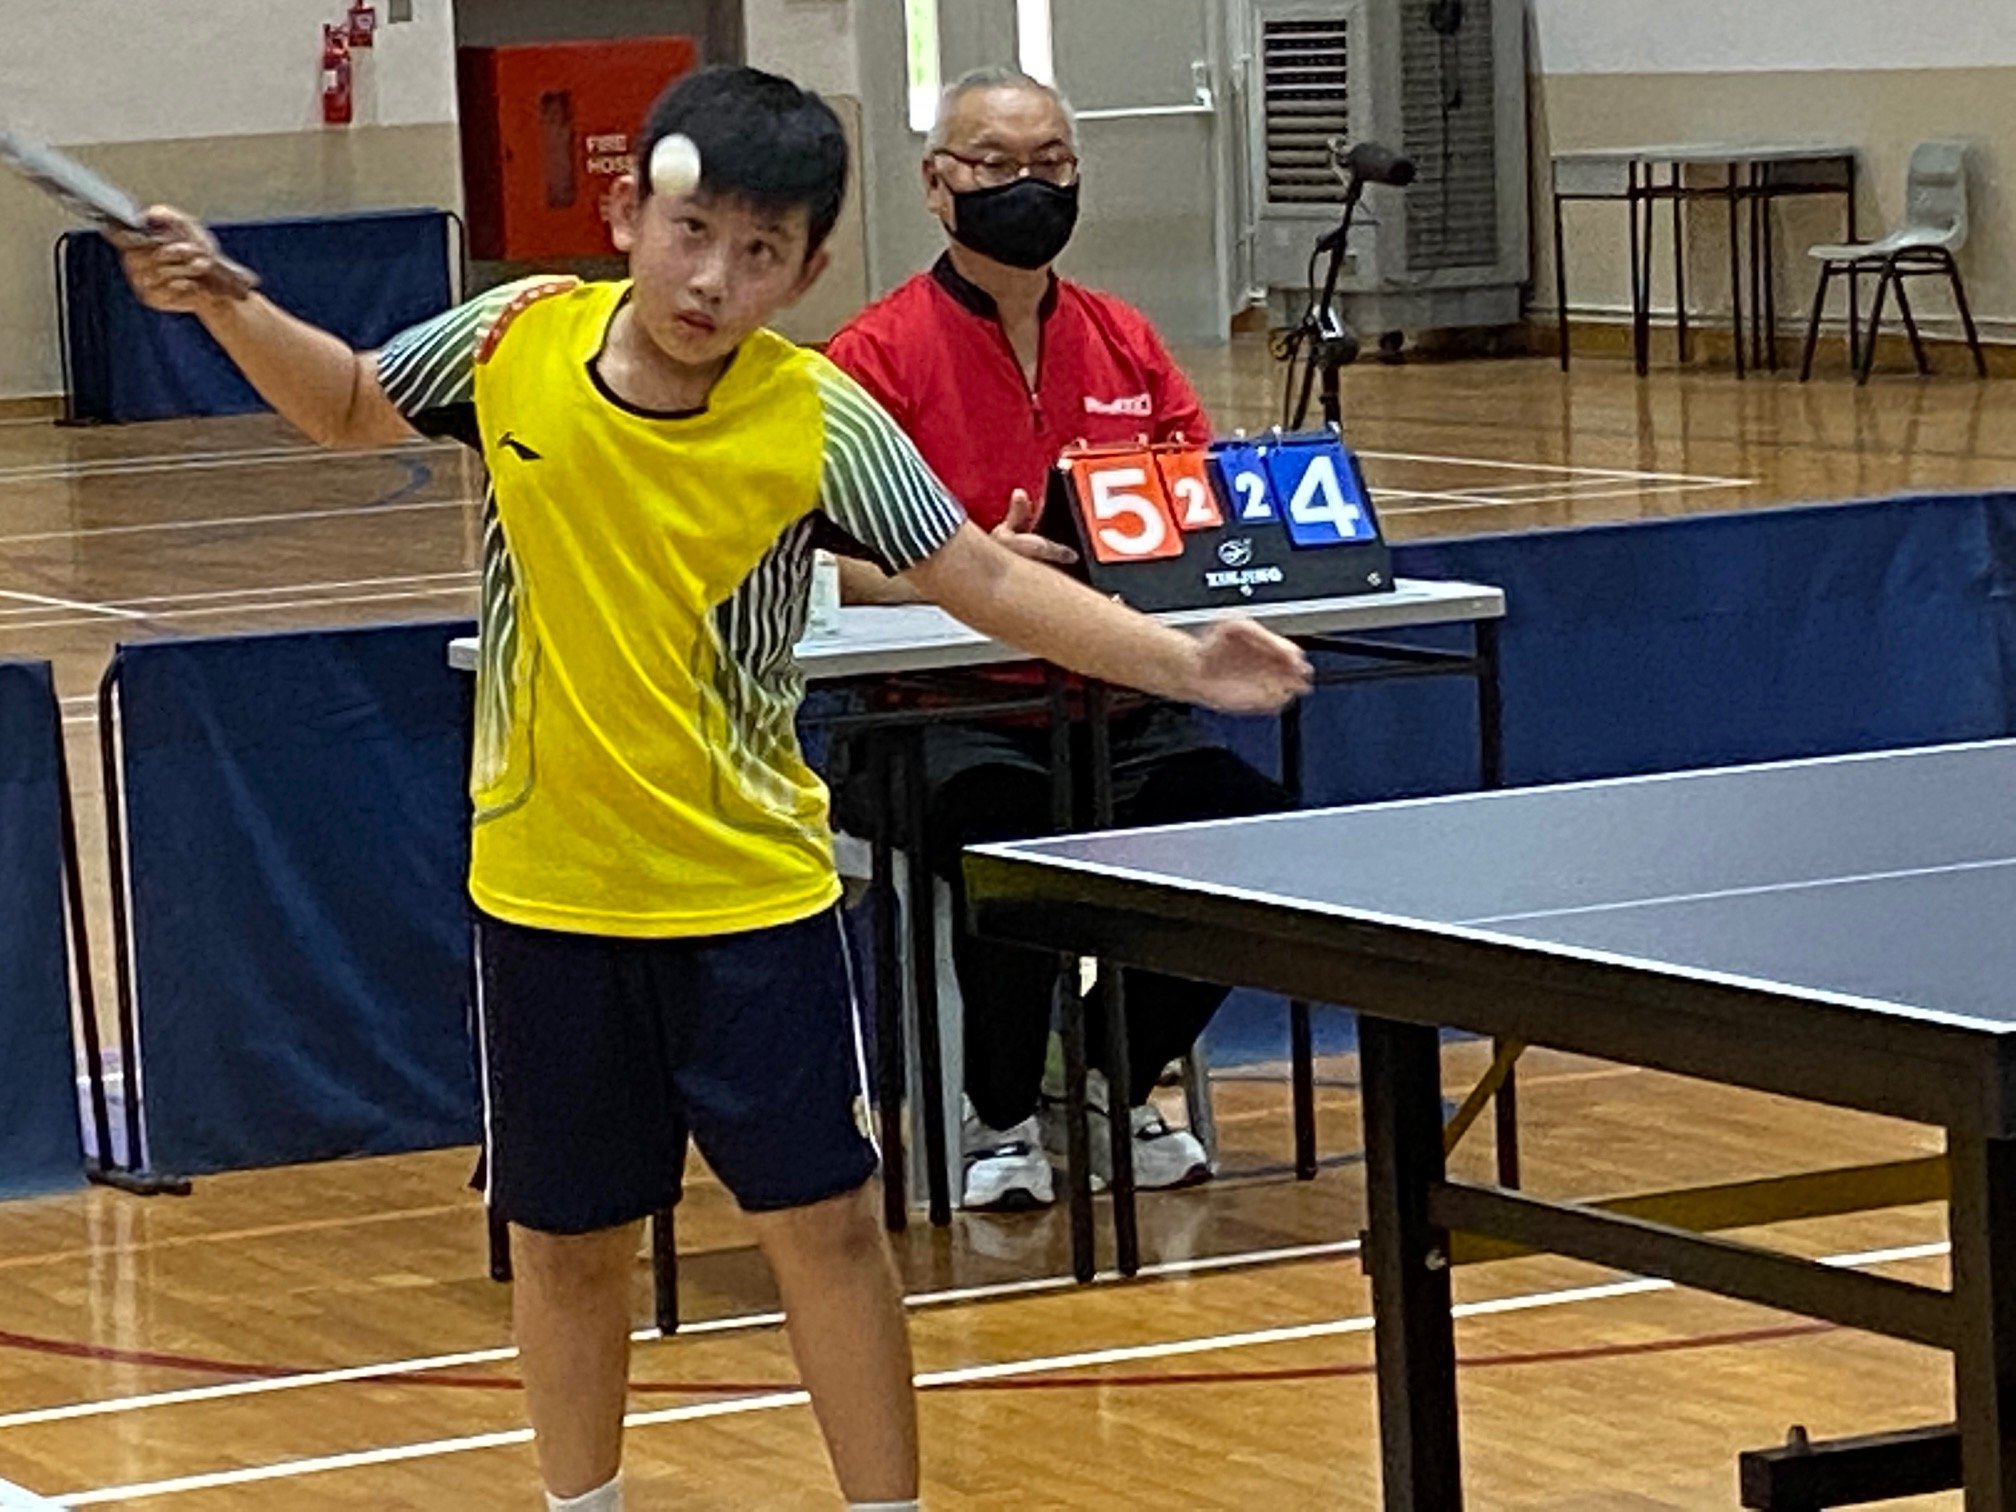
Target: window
pixel 1036 52
pixel 920 33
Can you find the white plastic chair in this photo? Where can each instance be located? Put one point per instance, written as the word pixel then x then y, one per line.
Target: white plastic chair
pixel 1926 245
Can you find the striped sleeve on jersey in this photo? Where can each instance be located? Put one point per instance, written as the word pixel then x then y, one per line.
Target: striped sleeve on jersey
pixel 428 371
pixel 875 486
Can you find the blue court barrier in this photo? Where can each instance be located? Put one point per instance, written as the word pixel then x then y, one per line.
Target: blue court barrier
pixel 296 842
pixel 40 1147
pixel 364 277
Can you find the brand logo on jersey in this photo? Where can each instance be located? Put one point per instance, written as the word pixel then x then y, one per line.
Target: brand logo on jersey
pixel 519 449
pixel 1236 552
pixel 1136 406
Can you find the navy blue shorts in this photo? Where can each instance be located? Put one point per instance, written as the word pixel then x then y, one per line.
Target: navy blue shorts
pixel 602 1055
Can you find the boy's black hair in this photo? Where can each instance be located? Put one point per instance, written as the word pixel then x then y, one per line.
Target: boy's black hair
pixel 761 139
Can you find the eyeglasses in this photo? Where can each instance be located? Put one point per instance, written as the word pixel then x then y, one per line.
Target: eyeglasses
pixel 997 168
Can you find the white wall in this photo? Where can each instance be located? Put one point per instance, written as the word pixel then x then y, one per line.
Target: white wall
pixel 811 41
pixel 1742 36
pixel 102 71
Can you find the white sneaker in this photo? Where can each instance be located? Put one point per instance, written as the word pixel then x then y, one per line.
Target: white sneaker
pixel 1005 1168
pixel 1164 1158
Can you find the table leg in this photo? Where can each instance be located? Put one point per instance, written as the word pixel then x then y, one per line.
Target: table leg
pixel 1119 1103
pixel 1505 1110
pixel 1770 282
pixel 924 983
pixel 889 1069
pixel 1490 705
pixel 1301 1031
pixel 1733 191
pixel 1680 262
pixel 1408 1258
pixel 1634 204
pixel 1982 1219
pixel 1756 269
pixel 1560 281
pixel 1070 1009
pixel 499 1233
pixel 1854 282
pixel 1491 766
pixel 665 1272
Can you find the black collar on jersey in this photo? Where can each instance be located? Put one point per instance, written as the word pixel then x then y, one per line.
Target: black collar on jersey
pixel 603 388
pixel 972 297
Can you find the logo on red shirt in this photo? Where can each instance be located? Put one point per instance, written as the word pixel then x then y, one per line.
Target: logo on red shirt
pixel 1139 406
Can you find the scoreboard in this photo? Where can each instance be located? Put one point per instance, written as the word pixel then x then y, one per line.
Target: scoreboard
pixel 1253 519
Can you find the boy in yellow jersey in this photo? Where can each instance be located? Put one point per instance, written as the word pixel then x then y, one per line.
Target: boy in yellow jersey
pixel 660 957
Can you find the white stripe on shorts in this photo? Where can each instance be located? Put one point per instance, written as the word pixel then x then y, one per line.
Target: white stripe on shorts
pixel 483 1074
pixel 860 1038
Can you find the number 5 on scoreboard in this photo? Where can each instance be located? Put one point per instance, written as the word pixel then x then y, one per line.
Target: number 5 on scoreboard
pixel 1125 510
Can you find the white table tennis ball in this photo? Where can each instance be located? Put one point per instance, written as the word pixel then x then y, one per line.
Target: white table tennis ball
pixel 675 166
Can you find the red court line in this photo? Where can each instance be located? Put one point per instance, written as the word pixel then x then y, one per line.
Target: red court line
pixel 1070 1382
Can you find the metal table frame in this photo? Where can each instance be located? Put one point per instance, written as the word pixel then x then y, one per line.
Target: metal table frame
pixel 1753 179
pixel 1406 977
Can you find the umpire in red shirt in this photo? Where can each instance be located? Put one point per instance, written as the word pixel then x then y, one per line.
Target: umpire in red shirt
pixel 994 364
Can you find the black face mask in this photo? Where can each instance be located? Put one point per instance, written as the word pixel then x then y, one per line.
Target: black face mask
pixel 1025 224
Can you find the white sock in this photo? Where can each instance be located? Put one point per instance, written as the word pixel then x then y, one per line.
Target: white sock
pixel 902 1506
pixel 607 1498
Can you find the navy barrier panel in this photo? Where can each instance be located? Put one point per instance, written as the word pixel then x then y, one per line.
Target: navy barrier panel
pixel 40 1149
pixel 363 276
pixel 1698 641
pixel 298 843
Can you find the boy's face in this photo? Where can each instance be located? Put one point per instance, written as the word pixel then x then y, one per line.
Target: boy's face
pixel 709 269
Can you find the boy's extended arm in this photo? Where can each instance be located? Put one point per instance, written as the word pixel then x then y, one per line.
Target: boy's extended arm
pixel 329 391
pixel 1235 666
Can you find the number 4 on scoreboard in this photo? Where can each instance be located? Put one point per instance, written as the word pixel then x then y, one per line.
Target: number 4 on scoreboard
pixel 1326 503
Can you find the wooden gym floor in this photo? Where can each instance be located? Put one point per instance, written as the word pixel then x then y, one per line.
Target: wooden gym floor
pixel 326 1337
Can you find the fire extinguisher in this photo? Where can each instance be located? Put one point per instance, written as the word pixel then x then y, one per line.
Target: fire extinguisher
pixel 363 24
pixel 338 96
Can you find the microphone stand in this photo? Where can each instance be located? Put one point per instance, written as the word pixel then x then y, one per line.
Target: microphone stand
pixel 1332 344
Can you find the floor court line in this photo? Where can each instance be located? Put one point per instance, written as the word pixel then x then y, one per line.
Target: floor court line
pixel 152 601
pixel 227 522
pixel 747 1322
pixel 1540 500
pixel 1552 491
pixel 1621 474
pixel 285 606
pixel 42 602
pixel 156 462
pixel 929 1380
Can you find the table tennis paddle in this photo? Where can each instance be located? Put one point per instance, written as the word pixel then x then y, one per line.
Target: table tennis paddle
pixel 104 205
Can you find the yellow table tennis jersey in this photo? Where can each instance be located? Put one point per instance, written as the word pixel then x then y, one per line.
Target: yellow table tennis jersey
pixel 645 577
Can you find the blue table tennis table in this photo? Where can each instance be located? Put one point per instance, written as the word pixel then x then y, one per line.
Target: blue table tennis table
pixel 1840 929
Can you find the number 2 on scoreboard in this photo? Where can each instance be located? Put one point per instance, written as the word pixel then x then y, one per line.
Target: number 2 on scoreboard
pixel 1248 488
pixel 1186 477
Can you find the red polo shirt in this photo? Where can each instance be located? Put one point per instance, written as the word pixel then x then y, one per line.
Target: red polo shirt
pixel 934 353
